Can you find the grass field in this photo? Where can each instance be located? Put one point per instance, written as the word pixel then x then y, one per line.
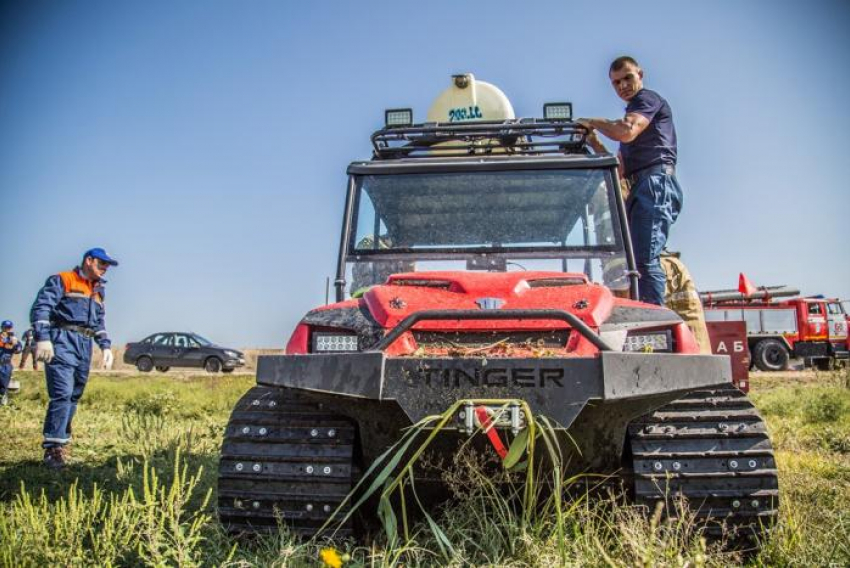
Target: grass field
pixel 141 491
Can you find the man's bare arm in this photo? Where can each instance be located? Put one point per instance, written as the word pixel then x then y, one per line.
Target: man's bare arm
pixel 594 142
pixel 624 129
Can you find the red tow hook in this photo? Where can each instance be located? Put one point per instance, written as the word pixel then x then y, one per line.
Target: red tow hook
pixel 486 425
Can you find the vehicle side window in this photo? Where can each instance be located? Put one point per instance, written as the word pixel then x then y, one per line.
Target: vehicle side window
pixel 161 339
pixel 814 309
pixel 181 341
pixel 193 343
pixel 834 309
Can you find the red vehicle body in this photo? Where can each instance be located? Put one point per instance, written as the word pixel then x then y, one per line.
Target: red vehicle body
pixel 813 329
pixel 730 338
pixel 406 294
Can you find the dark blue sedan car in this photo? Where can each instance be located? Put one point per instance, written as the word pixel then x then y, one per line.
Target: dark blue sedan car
pixel 161 351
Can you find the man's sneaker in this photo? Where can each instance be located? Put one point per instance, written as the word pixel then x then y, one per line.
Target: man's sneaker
pixel 54 458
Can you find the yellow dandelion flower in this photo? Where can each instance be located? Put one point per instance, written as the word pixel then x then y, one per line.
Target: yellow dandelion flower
pixel 331 557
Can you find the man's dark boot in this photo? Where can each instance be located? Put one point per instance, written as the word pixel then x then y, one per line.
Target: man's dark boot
pixel 54 458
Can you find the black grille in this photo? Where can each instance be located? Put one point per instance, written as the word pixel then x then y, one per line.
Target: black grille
pixel 422 282
pixel 556 282
pixel 550 339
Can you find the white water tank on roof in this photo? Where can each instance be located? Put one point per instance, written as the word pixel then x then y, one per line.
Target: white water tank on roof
pixel 470 100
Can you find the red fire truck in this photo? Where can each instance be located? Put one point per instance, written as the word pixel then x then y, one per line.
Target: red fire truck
pixel 813 328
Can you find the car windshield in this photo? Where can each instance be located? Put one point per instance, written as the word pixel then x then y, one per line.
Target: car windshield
pixel 203 341
pixel 561 220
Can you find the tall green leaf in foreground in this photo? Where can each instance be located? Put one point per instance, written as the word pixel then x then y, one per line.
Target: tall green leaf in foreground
pixel 393 472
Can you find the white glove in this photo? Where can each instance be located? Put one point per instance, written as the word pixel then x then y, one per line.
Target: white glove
pixel 108 359
pixel 44 351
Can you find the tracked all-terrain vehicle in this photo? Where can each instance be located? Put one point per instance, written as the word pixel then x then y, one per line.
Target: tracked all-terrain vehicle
pixel 481 258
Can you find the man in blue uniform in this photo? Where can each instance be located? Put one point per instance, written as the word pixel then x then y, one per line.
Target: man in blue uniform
pixel 9 345
pixel 67 315
pixel 647 140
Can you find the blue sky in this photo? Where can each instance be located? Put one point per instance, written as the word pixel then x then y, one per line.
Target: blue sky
pixel 204 143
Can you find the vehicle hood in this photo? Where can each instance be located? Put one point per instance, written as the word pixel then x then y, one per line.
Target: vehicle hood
pixel 405 294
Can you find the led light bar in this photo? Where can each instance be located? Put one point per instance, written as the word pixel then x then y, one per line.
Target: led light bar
pixel 327 342
pixel 397 117
pixel 558 111
pixel 650 342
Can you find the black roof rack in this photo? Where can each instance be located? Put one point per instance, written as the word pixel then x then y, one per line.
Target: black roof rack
pixel 525 136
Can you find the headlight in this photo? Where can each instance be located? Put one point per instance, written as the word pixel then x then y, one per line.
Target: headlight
pixel 230 353
pixel 649 342
pixel 327 341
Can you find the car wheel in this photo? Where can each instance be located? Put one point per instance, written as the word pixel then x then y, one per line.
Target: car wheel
pixel 227 370
pixel 162 368
pixel 771 355
pixel 212 365
pixel 144 364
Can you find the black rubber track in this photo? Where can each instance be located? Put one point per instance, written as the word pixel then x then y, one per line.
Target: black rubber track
pixel 712 448
pixel 283 459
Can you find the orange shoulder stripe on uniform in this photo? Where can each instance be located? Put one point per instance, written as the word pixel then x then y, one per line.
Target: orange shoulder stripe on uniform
pixel 75 284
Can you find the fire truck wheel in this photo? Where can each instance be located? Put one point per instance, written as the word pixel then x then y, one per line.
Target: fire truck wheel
pixel 770 355
pixel 824 364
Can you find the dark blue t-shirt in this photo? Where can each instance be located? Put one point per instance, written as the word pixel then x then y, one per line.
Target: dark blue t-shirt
pixel 657 143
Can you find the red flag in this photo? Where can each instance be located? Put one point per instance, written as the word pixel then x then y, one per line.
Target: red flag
pixel 745 286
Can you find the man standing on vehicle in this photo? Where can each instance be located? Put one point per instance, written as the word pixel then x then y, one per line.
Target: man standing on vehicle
pixel 9 345
pixel 66 315
pixel 647 140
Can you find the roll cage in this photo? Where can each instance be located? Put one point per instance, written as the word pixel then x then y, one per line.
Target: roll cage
pixel 522 144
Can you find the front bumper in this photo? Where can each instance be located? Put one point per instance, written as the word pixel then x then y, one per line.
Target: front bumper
pixel 234 363
pixel 556 387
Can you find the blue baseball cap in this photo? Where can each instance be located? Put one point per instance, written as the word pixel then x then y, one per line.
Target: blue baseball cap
pixel 100 254
pixel 6 323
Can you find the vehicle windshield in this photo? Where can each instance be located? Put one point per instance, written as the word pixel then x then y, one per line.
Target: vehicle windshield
pixel 203 341
pixel 561 220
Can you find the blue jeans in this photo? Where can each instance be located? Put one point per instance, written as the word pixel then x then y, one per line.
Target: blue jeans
pixel 653 206
pixel 67 375
pixel 5 373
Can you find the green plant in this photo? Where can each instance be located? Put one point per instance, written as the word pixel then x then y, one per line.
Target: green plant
pixel 88 515
pixel 823 408
pixel 103 529
pixel 169 533
pixel 154 404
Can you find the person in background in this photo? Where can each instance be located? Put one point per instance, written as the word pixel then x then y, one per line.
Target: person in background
pixel 67 315
pixel 9 345
pixel 28 341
